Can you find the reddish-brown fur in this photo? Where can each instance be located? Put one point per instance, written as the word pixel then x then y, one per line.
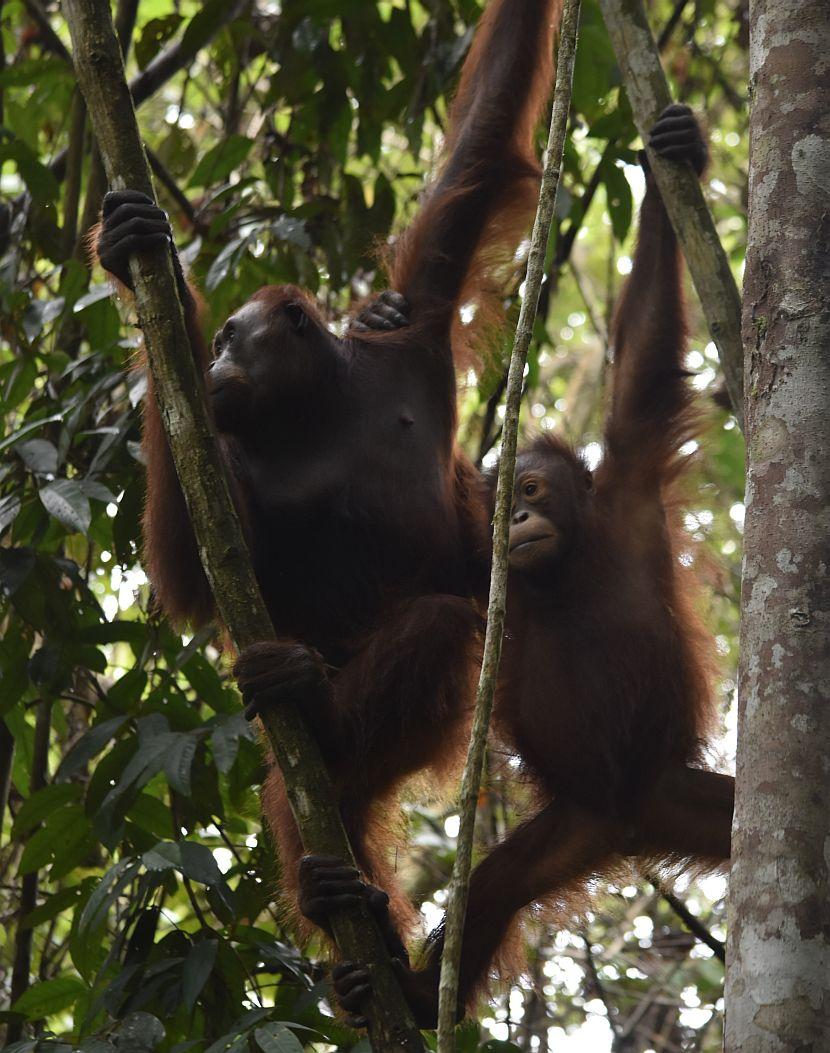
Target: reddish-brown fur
pixel 366 521
pixel 605 691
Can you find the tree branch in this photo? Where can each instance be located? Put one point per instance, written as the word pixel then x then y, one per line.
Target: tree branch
pixel 222 547
pixel 22 967
pixel 680 189
pixel 471 780
pixel 693 924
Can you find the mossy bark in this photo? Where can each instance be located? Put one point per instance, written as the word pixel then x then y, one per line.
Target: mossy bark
pixel 222 547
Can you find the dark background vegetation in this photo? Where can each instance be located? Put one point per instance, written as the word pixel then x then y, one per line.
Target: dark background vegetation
pixel 136 904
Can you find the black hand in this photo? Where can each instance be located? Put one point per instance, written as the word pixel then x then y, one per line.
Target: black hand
pixel 133 223
pixel 677 137
pixel 352 986
pixel 389 311
pixel 276 671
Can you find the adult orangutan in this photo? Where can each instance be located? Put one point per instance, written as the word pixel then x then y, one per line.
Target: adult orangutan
pixel 366 522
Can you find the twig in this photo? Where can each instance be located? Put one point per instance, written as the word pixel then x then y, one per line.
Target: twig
pixel 222 548
pixel 598 988
pixel 173 189
pixel 471 780
pixel 164 66
pixel 124 22
pixel 22 967
pixel 74 164
pixel 178 56
pixel 693 924
pixel 2 68
pixel 671 23
pixel 49 39
pixel 6 758
pixel 680 189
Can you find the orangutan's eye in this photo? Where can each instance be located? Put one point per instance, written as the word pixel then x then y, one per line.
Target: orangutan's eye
pixel 529 489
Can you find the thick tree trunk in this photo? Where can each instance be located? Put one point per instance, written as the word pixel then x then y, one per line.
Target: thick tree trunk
pixel 778 981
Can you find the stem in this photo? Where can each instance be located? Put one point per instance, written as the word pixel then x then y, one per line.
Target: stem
pixel 693 924
pixel 680 190
pixel 6 759
pixel 471 780
pixel 22 967
pixel 100 71
pixel 74 164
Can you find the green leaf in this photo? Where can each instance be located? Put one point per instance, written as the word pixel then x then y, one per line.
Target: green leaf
pixel 178 761
pixel 201 28
pixel 147 760
pixel 164 856
pixel 65 500
pixel 105 894
pixel 16 564
pixel 49 997
pixel 197 968
pixel 224 740
pixel 218 163
pixel 618 194
pixel 37 177
pixel 292 230
pixel 151 814
pixel 54 905
pixel 39 455
pixel 101 291
pixel 9 508
pixel 276 1038
pixel 27 428
pixel 89 746
pixel 140 1032
pixel 206 682
pixel 128 689
pixel 154 36
pixel 65 830
pixel 199 865
pixel 42 804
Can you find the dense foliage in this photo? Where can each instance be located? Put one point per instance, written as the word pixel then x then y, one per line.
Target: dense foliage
pixel 135 885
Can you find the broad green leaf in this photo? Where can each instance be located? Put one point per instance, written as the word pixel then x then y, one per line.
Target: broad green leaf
pixel 165 856
pixel 40 181
pixel 219 162
pixel 42 804
pixel 105 894
pixel 88 746
pixel 276 1038
pixel 178 761
pixel 199 865
pixel 49 997
pixel 39 456
pixel 618 193
pixel 197 969
pixel 62 833
pixel 65 500
pixel 9 507
pixel 54 905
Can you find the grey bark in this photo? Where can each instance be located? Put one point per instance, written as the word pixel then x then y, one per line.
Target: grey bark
pixel 222 548
pixel 471 779
pixel 778 957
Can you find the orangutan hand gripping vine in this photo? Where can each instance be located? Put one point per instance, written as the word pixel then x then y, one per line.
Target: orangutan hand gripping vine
pixel 605 684
pixel 366 522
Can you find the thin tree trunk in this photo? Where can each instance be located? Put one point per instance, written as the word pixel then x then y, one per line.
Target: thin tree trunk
pixel 100 70
pixel 778 975
pixel 496 608
pixel 22 966
pixel 680 189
